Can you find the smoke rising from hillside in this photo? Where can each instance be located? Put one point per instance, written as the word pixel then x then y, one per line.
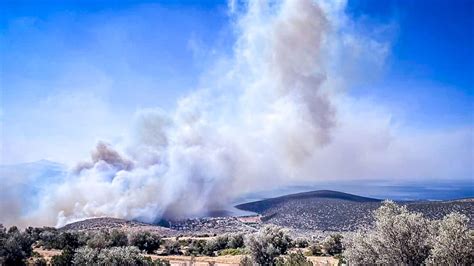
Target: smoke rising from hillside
pixel 274 114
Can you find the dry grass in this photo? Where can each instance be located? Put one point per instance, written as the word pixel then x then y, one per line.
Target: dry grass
pixel 47 254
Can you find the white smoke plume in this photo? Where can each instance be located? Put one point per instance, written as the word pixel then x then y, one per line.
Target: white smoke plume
pixel 275 114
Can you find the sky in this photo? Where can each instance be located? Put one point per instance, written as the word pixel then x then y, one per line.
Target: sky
pixel 152 108
pixel 73 71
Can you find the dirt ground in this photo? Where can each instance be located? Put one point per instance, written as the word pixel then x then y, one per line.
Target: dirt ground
pixel 47 254
pixel 230 260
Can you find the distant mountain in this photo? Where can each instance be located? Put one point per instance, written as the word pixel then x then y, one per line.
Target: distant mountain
pixel 38 171
pixel 336 211
pixel 23 183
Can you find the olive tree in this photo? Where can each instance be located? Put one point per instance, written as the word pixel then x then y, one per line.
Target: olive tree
pixel 399 237
pixel 453 242
pixel 268 244
pixel 332 244
pixel 145 240
pixel 15 246
pixel 109 256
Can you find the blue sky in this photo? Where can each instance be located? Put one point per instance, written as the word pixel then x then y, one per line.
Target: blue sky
pixel 110 58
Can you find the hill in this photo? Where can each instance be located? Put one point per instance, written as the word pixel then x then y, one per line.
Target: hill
pixel 337 211
pixel 262 205
pixel 115 223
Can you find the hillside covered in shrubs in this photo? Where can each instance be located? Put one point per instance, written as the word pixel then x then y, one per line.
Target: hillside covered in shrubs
pixel 398 236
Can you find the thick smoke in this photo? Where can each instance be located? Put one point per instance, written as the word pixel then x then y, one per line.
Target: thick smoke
pixel 275 114
pixel 258 123
pixel 104 153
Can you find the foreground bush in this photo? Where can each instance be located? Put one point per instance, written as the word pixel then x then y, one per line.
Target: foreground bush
pixel 403 237
pixel 453 242
pixel 267 244
pixel 15 246
pixel 112 256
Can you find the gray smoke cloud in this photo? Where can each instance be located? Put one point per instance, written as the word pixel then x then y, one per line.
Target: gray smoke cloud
pixel 273 115
pixel 106 154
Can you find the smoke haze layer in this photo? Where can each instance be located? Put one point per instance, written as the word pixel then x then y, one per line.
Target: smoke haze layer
pixel 274 114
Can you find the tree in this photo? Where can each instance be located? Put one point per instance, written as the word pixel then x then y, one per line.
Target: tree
pixel 332 244
pixel 118 238
pixel 146 241
pixel 86 256
pixel 172 248
pixel 300 243
pixel 99 240
pixel 399 237
pixel 47 239
pixel 195 247
pixel 63 259
pixel 16 246
pixel 267 244
pixel 112 256
pixel 236 241
pixel 453 242
pixel 121 256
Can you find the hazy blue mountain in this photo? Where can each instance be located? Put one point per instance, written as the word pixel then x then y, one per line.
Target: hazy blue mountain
pixel 23 183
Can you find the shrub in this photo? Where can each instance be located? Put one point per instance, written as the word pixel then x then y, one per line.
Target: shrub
pixel 61 240
pixel 48 239
pixel 113 256
pixel 267 244
pixel 15 246
pixel 399 237
pixel 118 238
pixel 145 241
pixel 120 256
pixel 231 252
pixel 236 241
pixel 453 242
pixel 221 242
pixel 63 259
pixel 332 244
pixel 99 240
pixel 160 262
pixel 315 250
pixel 294 259
pixel 210 247
pixel 172 248
pixel 40 262
pixel 86 255
pixel 196 247
pixel 246 261
pixel 300 243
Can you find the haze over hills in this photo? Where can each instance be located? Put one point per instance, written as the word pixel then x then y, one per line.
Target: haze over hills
pixel 23 185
